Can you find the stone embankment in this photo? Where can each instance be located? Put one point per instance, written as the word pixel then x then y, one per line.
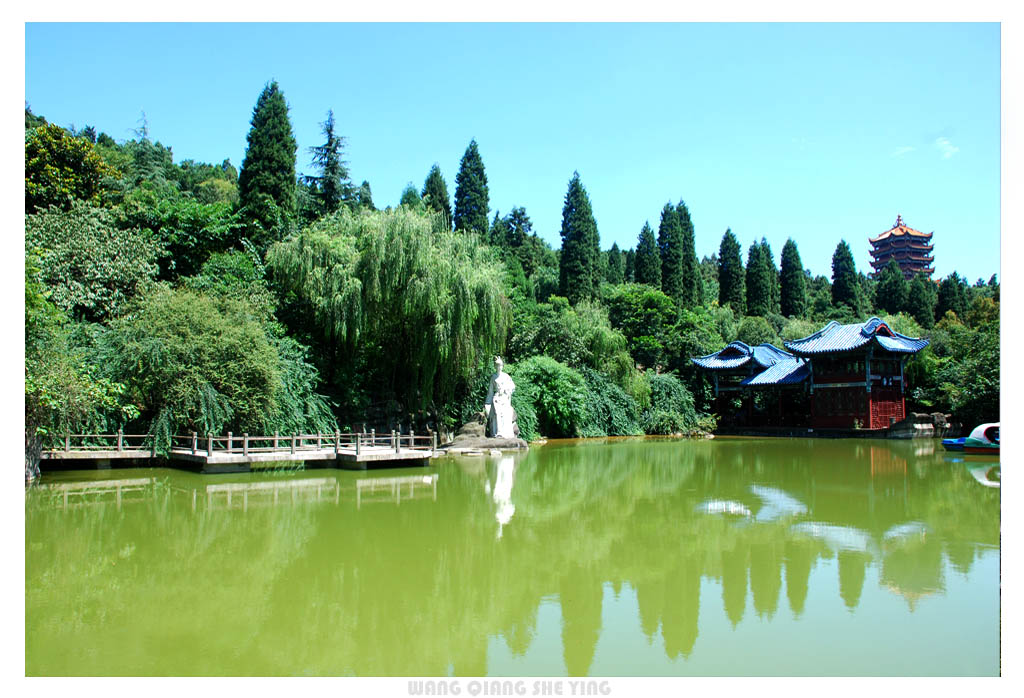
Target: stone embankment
pixel 924 425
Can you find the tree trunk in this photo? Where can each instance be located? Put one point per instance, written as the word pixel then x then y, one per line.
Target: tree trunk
pixel 33 449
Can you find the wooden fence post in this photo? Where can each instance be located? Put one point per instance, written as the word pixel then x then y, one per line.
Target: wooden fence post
pixel 398 442
pixel 318 441
pixel 373 437
pixel 293 444
pixel 230 442
pixel 209 444
pixel 195 442
pixel 358 442
pixel 337 442
pixel 433 440
pixel 245 444
pixel 120 440
pixel 275 440
pixel 67 441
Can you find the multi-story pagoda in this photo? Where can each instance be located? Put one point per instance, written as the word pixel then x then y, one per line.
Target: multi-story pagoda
pixel 911 249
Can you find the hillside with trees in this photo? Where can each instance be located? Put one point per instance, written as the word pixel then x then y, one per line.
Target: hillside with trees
pixel 163 297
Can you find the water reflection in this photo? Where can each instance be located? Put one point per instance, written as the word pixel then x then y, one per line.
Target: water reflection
pixel 298 573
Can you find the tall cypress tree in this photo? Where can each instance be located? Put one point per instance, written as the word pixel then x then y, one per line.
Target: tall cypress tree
pixel 844 277
pixel 471 204
pixel 792 282
pixel 891 290
pixel 578 267
pixel 773 275
pixel 435 194
pixel 647 262
pixel 332 187
pixel 670 249
pixel 730 274
pixel 922 298
pixel 693 279
pixel 616 265
pixel 759 295
pixel 268 170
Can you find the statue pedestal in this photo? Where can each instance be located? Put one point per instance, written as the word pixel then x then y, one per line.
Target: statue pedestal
pixel 472 437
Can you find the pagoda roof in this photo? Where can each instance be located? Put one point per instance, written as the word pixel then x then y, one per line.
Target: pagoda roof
pixel 785 372
pixel 899 229
pixel 738 354
pixel 834 338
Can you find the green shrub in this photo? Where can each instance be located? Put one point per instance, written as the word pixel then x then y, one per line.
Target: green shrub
pixel 559 395
pixel 611 411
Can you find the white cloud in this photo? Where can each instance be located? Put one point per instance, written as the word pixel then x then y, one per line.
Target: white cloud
pixel 902 150
pixel 947 149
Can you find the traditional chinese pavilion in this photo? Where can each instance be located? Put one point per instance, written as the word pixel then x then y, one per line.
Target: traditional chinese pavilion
pixel 740 370
pixel 850 376
pixel 911 249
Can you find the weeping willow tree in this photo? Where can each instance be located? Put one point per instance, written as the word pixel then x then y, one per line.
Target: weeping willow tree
pixel 399 296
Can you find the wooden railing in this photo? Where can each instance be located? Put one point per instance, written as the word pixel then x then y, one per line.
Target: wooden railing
pixel 246 444
pixel 118 442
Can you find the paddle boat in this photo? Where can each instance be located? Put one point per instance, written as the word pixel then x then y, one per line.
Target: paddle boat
pixel 983 440
pixel 954 444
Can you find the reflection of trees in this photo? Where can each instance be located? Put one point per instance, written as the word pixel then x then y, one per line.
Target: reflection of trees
pixel 421 588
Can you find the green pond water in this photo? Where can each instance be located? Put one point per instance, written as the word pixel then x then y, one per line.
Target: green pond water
pixel 601 557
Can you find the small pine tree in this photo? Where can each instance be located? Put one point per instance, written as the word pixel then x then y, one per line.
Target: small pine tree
pixel 844 277
pixel 471 202
pixel 792 282
pixel 891 290
pixel 332 186
pixel 435 194
pixel 647 262
pixel 411 197
pixel 629 275
pixel 616 265
pixel 364 197
pixel 730 274
pixel 579 264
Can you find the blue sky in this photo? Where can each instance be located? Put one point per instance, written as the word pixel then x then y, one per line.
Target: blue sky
pixel 812 131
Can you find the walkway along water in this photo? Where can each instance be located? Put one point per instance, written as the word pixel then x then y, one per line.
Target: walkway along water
pixel 231 453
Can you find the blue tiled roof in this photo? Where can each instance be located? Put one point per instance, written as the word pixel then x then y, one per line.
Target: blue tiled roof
pixel 738 354
pixel 834 337
pixel 782 373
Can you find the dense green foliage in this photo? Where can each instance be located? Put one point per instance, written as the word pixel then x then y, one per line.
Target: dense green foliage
pixel 90 266
pixel 61 169
pixel 616 272
pixel 471 199
pixel 423 303
pixel 891 290
pixel 579 266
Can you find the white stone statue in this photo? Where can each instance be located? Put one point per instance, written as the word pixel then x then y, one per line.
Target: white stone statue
pixel 498 405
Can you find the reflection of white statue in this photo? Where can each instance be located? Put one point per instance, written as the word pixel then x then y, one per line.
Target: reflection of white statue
pixel 498 405
pixel 503 492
